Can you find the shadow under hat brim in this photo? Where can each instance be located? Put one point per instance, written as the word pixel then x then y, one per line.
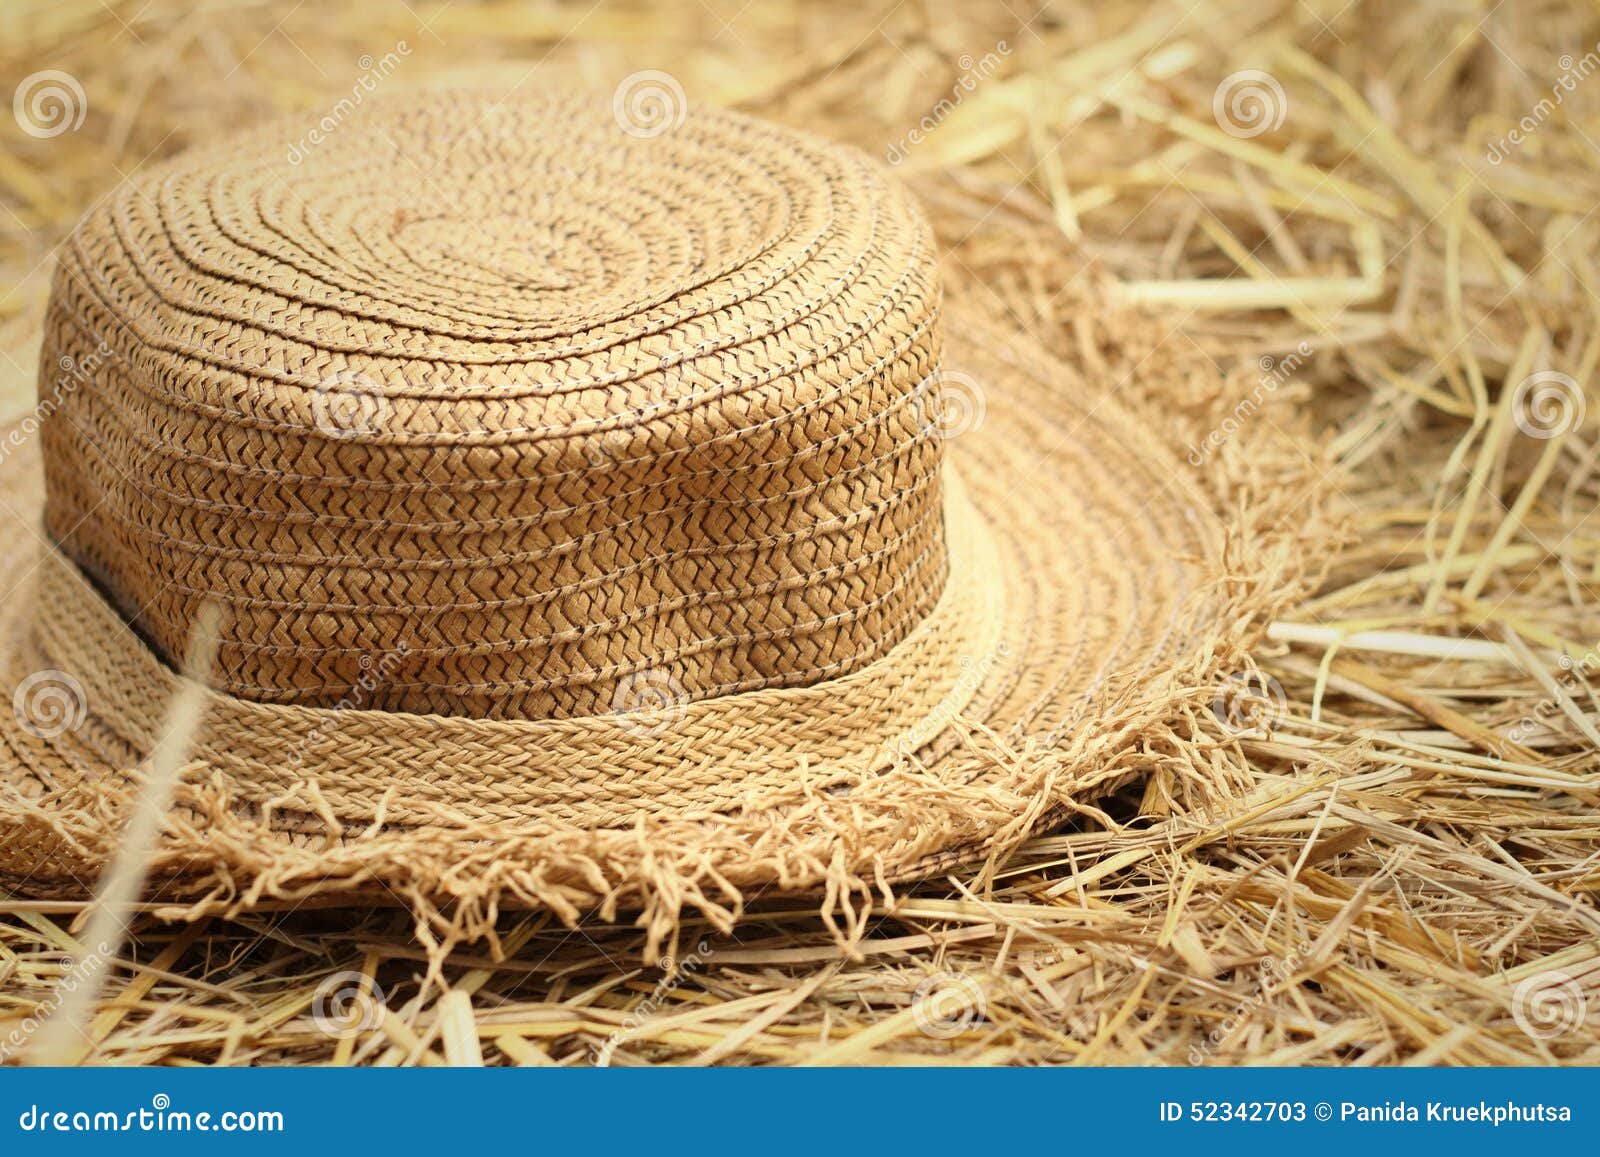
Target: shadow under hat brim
pixel 1100 613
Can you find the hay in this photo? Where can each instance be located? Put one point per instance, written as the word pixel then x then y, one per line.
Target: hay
pixel 1394 857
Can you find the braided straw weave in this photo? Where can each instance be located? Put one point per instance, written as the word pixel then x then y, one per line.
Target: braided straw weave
pixel 570 416
pixel 589 523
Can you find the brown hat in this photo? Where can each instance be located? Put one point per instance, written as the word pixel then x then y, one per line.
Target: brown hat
pixel 600 515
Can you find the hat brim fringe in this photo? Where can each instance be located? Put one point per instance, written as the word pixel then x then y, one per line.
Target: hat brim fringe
pixel 851 852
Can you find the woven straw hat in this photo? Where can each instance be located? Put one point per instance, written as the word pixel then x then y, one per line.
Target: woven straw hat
pixel 601 514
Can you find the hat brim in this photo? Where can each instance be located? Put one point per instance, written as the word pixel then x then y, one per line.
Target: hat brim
pixel 1094 610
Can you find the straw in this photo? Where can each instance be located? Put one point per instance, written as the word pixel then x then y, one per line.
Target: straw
pixel 1400 884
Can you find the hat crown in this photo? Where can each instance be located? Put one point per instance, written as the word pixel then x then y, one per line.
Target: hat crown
pixel 520 409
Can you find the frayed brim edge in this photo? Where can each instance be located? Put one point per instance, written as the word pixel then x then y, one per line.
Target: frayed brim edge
pixel 849 851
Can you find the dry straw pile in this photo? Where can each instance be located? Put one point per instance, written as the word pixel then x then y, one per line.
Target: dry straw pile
pixel 1361 233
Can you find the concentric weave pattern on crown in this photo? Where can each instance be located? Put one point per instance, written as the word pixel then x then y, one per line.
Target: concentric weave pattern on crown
pixel 498 410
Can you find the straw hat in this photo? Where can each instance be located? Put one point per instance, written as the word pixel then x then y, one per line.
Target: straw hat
pixel 601 513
